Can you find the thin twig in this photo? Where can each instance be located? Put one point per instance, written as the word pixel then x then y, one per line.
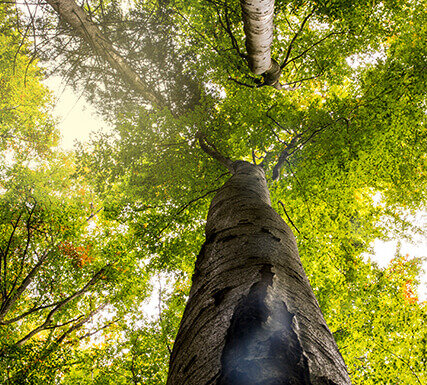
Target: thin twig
pixel 285 62
pixel 289 218
pixel 401 359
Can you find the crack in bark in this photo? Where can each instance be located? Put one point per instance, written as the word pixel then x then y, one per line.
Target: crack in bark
pixel 261 346
pixel 220 295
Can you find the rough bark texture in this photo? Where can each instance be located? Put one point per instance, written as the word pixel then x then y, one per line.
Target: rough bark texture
pixel 251 317
pixel 76 17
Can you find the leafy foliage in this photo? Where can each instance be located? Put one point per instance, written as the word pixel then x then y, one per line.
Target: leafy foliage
pixel 62 262
pixel 384 349
pixel 26 128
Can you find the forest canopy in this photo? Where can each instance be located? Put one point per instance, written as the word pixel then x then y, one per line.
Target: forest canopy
pixel 91 236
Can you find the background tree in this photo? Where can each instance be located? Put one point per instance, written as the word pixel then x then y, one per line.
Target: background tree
pixel 61 261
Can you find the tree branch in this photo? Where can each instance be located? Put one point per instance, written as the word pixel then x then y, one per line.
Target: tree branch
pixel 284 155
pixel 285 62
pixel 164 335
pixel 4 259
pixel 243 84
pixel 286 85
pixel 81 323
pixel 98 330
pixel 27 245
pixel 230 33
pixel 211 150
pixel 47 323
pixel 313 45
pixel 298 141
pixel 277 124
pixel 28 312
pixel 401 359
pixel 287 216
pixel 182 208
pixel 6 305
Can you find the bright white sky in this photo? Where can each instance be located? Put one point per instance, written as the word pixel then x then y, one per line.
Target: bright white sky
pixel 77 119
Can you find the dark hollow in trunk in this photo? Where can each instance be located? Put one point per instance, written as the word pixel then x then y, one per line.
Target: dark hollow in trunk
pixel 252 318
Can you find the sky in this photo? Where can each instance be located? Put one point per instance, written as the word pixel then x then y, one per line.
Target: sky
pixel 77 119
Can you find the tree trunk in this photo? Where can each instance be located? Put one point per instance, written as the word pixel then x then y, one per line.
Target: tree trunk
pixel 258 25
pixel 252 318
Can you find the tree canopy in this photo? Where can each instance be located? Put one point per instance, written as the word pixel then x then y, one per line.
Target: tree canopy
pixel 342 140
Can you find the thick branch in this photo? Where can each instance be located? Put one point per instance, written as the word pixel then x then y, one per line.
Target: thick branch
pixel 284 155
pixel 211 150
pixel 69 11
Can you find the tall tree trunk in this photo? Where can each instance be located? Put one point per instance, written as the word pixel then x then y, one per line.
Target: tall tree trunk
pixel 258 25
pixel 252 317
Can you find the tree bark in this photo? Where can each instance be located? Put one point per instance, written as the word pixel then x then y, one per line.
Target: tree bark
pixel 258 25
pixel 252 318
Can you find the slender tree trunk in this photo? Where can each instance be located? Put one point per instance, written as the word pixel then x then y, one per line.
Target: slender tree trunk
pixel 258 25
pixel 83 26
pixel 252 318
